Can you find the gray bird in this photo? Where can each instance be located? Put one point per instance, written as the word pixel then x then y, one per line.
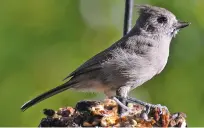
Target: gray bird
pixel 129 62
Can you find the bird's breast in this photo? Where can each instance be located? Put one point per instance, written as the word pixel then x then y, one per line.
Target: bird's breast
pixel 162 57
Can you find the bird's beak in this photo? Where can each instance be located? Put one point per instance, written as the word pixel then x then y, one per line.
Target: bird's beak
pixel 182 24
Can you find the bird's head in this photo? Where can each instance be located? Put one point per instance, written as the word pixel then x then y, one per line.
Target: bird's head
pixel 156 21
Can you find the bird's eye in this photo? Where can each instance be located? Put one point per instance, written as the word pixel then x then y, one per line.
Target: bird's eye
pixel 162 19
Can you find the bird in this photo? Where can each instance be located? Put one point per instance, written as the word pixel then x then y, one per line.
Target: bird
pixel 129 62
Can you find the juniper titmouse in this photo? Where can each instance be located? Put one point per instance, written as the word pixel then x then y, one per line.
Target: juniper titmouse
pixel 129 62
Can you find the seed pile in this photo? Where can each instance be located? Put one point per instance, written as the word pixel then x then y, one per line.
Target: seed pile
pixel 105 113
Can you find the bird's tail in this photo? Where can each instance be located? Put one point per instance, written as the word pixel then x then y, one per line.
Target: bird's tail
pixel 48 94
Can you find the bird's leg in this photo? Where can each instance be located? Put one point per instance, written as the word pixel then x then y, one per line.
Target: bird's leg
pixel 147 105
pixel 121 104
pixel 121 99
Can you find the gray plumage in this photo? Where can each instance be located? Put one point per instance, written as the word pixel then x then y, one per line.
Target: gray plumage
pixel 128 63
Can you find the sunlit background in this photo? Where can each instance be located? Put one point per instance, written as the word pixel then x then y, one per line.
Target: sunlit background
pixel 42 41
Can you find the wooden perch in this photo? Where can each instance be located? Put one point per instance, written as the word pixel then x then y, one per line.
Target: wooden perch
pixel 105 113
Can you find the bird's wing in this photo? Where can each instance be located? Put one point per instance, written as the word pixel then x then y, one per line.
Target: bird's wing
pixel 92 64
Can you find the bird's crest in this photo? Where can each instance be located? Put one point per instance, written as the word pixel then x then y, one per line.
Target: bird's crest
pixel 143 8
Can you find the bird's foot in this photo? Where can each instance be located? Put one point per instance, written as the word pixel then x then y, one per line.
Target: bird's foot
pixel 159 106
pixel 123 109
pixel 147 105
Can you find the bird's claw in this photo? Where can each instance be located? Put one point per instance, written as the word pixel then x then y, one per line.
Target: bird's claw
pixel 159 106
pixel 124 109
pixel 147 109
pixel 147 105
pixel 162 108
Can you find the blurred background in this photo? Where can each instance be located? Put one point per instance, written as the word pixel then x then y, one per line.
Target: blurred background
pixel 42 41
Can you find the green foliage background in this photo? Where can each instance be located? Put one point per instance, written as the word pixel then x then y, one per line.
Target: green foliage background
pixel 42 41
